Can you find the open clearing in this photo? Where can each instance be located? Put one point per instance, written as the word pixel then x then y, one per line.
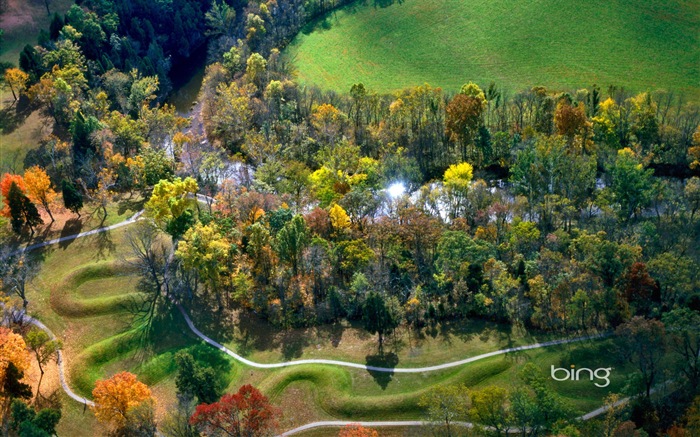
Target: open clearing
pixel 563 45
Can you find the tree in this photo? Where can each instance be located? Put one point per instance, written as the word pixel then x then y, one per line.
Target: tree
pixel 12 388
pixel 194 379
pixel 463 118
pixel 570 120
pixel 339 218
pixel 22 210
pixel 39 188
pixel 246 413
pixel 5 184
pixel 377 318
pixel 457 179
pixel 683 327
pixel 489 409
pixel 72 199
pixel 632 184
pixel 643 343
pixel 16 271
pixel 357 431
pixel 27 422
pixel 44 349
pixel 14 361
pixel 446 404
pixel 17 80
pixel 220 19
pixel 116 397
pixel 171 205
pixel 535 407
pixel 292 239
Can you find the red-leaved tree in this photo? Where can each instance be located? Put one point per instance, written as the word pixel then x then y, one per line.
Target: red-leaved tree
pixel 247 413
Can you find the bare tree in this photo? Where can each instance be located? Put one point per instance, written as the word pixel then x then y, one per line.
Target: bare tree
pixel 16 272
pixel 152 257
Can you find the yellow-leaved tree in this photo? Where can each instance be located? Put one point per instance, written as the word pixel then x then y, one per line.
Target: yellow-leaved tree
pixel 339 218
pixel 13 351
pixel 457 180
pixel 171 205
pixel 39 188
pixel 17 81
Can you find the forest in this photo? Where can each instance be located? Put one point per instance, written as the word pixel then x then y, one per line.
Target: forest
pixel 566 212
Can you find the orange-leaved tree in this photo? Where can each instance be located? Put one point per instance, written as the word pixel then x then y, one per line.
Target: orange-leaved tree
pixel 245 413
pixel 5 184
pixel 117 396
pixel 13 350
pixel 14 354
pixel 39 188
pixel 355 430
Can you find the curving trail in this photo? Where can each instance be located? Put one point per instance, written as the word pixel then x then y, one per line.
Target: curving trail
pixel 132 219
pixel 61 367
pixel 375 368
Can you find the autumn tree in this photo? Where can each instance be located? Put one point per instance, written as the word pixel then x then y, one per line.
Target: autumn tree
pixel 457 180
pixel 489 408
pixel 643 343
pixel 17 80
pixel 14 361
pixel 5 184
pixel 463 118
pixel 44 348
pixel 39 188
pixel 172 203
pixel 357 431
pixel 72 199
pixel 246 413
pixel 570 120
pixel 445 405
pixel 118 397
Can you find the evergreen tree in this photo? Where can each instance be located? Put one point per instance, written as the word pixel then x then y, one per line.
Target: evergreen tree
pixel 72 198
pixel 377 318
pixel 22 210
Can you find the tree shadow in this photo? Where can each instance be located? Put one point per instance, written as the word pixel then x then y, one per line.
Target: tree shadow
pixel 382 360
pixel 13 116
pixel 129 204
pixel 73 226
pixel 333 332
pixel 254 334
pixel 105 244
pixel 293 344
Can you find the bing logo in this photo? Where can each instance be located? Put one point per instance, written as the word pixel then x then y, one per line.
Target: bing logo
pixel 574 374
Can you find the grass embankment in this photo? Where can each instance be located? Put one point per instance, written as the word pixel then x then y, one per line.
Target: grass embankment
pixel 84 290
pixel 563 45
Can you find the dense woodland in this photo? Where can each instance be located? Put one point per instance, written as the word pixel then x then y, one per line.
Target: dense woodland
pixel 557 211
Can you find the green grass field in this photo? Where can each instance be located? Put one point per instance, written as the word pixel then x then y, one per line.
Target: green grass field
pixel 563 45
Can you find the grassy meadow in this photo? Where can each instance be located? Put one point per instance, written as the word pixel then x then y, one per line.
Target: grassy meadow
pixel 563 45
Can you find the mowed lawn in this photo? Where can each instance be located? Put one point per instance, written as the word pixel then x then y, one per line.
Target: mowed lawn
pixel 561 44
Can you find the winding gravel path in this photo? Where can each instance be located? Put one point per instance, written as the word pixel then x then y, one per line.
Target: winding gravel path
pixel 375 368
pixel 132 219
